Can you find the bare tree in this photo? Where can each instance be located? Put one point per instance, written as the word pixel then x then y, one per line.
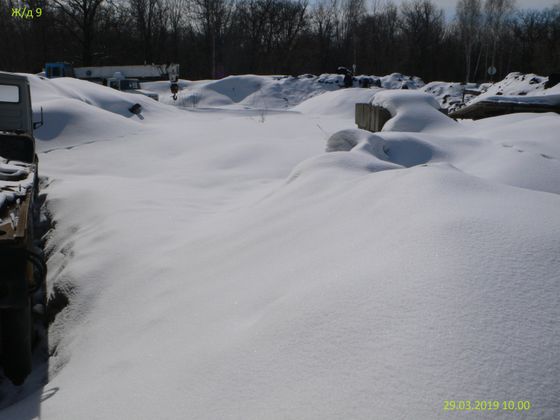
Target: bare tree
pixel 80 21
pixel 353 12
pixel 213 17
pixel 289 24
pixel 379 38
pixel 537 38
pixel 423 30
pixel 177 12
pixel 497 12
pixel 150 19
pixel 469 21
pixel 323 23
pixel 251 19
pixel 285 36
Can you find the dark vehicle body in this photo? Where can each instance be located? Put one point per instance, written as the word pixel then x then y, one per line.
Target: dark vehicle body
pixel 19 262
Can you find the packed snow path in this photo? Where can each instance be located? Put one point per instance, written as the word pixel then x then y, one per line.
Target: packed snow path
pixel 222 265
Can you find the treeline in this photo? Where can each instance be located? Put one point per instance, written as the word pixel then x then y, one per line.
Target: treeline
pixel 213 38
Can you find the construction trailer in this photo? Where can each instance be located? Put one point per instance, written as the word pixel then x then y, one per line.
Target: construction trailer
pixel 22 267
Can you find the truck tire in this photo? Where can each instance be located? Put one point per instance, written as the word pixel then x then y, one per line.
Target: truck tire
pixel 16 330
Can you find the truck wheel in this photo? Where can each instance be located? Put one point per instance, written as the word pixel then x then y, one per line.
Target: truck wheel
pixel 16 331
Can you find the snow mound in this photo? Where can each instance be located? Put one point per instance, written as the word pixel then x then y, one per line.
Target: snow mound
pixel 228 91
pixel 411 111
pixel 517 84
pixel 103 97
pixel 401 149
pixel 288 91
pixel 77 111
pixel 69 122
pixel 449 95
pixel 250 91
pixel 317 167
pixel 266 92
pixel 341 102
pixel 346 140
pixel 519 150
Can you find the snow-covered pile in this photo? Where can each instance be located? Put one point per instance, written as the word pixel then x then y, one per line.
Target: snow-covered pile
pixel 77 111
pixel 266 92
pixel 515 87
pixel 261 92
pixel 517 84
pixel 340 102
pixel 224 266
pixel 411 111
pixel 521 88
pixel 450 94
pixel 390 81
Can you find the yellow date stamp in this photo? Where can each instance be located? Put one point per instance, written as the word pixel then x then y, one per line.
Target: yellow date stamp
pixel 486 405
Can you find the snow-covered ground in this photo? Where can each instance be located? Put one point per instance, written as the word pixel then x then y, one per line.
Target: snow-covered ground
pixel 220 264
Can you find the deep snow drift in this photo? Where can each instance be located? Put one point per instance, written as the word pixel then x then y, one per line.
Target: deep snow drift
pixel 79 111
pixel 222 265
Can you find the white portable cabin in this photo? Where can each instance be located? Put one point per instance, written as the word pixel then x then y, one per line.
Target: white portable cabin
pixel 147 71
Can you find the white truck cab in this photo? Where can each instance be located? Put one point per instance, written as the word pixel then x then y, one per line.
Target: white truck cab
pixel 119 82
pixel 16 123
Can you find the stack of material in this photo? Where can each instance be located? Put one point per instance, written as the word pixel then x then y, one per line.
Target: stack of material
pixel 16 181
pixel 500 105
pixel 516 93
